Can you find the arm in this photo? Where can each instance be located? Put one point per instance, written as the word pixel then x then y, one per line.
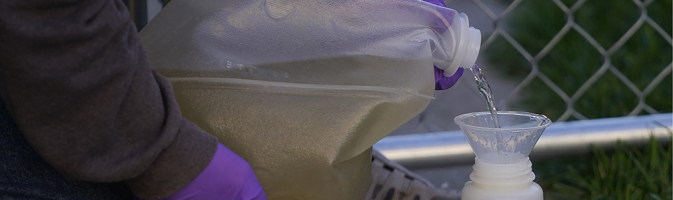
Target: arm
pixel 78 84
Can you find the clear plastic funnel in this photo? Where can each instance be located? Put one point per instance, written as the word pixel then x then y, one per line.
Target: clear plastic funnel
pixel 509 144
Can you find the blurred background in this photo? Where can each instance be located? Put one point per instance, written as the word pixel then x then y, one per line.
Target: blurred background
pixel 569 60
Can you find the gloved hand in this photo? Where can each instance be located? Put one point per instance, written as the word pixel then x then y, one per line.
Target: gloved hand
pixel 227 176
pixel 442 82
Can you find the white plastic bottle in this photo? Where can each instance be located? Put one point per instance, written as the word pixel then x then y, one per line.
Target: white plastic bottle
pixel 502 182
pixel 466 42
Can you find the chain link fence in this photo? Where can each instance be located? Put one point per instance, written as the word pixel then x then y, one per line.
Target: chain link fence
pixel 534 58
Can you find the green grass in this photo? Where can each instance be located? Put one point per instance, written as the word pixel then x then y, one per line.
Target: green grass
pixel 574 60
pixel 626 173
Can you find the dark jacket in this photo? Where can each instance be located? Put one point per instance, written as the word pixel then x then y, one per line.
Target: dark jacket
pixel 78 85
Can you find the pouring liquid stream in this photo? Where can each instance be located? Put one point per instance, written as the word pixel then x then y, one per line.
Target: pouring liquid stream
pixel 485 90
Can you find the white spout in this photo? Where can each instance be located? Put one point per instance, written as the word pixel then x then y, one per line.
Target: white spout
pixel 467 42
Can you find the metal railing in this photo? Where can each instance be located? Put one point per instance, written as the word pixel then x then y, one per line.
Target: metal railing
pixel 533 58
pixel 445 149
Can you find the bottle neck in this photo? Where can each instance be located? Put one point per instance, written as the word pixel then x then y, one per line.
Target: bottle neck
pixel 502 176
pixel 466 44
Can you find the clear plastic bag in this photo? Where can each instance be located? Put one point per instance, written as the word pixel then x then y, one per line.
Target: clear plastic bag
pixel 303 88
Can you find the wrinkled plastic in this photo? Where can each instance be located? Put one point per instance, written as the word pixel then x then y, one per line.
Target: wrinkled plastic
pixel 301 89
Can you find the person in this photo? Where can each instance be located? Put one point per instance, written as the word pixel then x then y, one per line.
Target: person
pixel 85 117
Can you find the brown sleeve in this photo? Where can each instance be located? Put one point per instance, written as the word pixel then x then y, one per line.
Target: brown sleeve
pixel 78 84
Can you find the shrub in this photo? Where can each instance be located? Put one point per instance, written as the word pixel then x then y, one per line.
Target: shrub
pixel 574 60
pixel 625 173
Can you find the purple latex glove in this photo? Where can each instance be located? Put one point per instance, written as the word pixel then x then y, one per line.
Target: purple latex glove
pixel 436 2
pixel 227 176
pixel 442 82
